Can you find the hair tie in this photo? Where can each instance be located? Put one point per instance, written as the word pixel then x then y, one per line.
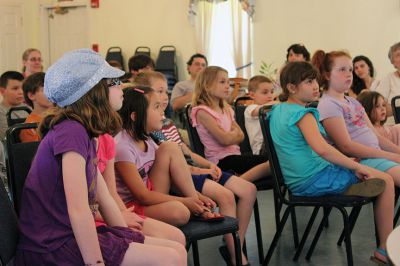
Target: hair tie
pixel 138 90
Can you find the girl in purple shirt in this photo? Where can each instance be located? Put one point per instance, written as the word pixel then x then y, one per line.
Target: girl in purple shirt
pixel 63 189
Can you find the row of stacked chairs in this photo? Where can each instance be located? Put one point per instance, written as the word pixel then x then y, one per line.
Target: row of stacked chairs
pixel 165 63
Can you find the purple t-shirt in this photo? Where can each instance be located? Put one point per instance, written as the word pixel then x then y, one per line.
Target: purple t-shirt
pixel 44 220
pixel 353 114
pixel 128 151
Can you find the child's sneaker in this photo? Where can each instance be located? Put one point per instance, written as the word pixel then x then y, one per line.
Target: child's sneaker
pixel 368 188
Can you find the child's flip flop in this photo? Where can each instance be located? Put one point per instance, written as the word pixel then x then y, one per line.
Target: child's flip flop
pixel 202 217
pixel 377 260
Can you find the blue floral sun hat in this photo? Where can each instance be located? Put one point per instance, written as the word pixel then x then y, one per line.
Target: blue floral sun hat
pixel 74 74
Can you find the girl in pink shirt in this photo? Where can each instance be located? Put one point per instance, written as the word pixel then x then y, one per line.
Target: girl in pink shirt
pixel 217 128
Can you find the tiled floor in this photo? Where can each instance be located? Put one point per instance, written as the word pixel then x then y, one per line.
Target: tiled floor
pixel 326 252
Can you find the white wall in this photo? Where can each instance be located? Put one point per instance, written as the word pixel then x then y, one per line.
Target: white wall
pixel 366 27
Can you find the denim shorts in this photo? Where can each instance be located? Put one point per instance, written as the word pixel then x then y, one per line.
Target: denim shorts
pixel 379 163
pixel 199 180
pixel 332 180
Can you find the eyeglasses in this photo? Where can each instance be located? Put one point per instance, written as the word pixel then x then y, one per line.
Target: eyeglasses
pixel 113 82
pixel 35 59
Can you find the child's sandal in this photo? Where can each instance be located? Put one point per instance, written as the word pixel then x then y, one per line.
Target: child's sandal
pixel 377 260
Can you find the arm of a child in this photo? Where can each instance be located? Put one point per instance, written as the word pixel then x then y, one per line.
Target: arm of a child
pixel 132 219
pixel 384 143
pixel 107 206
pixel 75 187
pixel 133 181
pixel 223 137
pixel 337 131
pixel 257 109
pixel 309 128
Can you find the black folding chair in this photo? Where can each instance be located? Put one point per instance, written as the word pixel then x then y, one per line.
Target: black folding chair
pixel 115 54
pixel 19 160
pixel 262 184
pixel 17 115
pixel 196 230
pixel 166 64
pixel 8 228
pixel 245 147
pixel 143 50
pixel 396 108
pixel 327 202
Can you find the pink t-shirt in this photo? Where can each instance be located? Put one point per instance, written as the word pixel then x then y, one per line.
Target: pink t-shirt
pixel 105 151
pixel 213 150
pixel 127 151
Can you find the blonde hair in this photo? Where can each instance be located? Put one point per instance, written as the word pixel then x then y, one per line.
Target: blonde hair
pixel 26 54
pixel 146 78
pixel 255 81
pixel 204 82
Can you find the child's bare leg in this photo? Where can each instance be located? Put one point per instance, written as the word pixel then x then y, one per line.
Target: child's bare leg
pixel 384 210
pixel 155 228
pixel 169 244
pixel 169 168
pixel 257 172
pixel 152 254
pixel 394 172
pixel 171 212
pixel 246 192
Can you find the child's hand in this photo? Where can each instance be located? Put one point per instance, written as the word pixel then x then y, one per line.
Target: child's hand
pixel 207 201
pixel 134 221
pixel 194 204
pixel 215 172
pixel 363 173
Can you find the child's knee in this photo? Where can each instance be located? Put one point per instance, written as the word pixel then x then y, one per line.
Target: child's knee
pixel 171 257
pixel 168 145
pixel 179 213
pixel 225 197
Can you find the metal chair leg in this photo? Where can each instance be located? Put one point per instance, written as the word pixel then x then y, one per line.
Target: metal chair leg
pixel 318 233
pixel 294 228
pixel 258 232
pixel 277 236
pixel 347 239
pixel 238 253
pixel 195 250
pixel 355 212
pixel 306 233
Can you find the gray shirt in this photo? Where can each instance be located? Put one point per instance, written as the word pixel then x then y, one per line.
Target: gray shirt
pixel 181 88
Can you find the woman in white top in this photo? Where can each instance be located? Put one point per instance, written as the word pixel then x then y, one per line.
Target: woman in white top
pixel 390 85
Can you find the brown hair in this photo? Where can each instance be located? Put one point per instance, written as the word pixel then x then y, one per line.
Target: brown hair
pixel 255 81
pixel 146 78
pixel 93 111
pixel 324 62
pixel 295 73
pixel 26 54
pixel 369 100
pixel 204 81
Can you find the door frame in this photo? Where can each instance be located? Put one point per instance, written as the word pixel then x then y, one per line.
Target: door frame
pixel 44 25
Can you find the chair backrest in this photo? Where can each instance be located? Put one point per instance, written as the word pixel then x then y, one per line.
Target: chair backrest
pixel 12 120
pixel 19 160
pixel 115 54
pixel 166 59
pixel 8 228
pixel 245 147
pixel 143 50
pixel 396 108
pixel 279 184
pixel 194 139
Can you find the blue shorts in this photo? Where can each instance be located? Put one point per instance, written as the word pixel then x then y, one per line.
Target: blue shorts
pixel 332 180
pixel 199 180
pixel 379 163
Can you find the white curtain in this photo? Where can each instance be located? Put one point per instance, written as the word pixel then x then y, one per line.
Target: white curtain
pixel 223 34
pixel 242 29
